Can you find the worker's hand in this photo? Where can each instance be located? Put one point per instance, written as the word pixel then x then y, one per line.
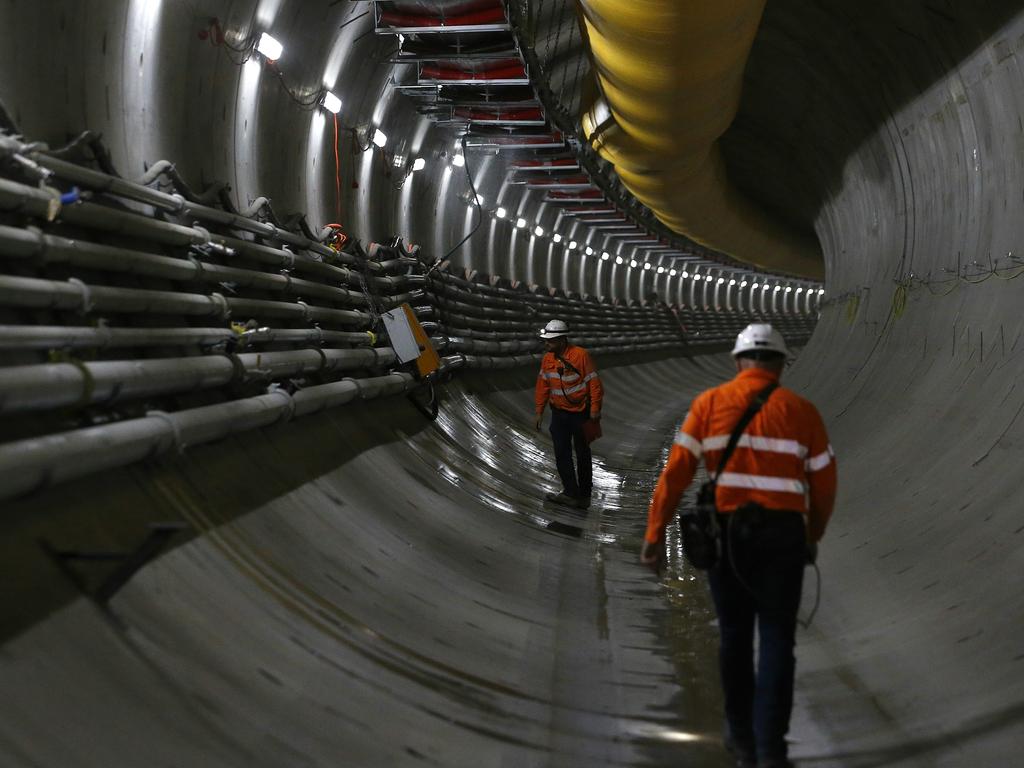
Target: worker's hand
pixel 812 553
pixel 652 555
pixel 595 416
pixel 539 421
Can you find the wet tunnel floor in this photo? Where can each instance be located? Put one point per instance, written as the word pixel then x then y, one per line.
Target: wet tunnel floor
pixel 400 600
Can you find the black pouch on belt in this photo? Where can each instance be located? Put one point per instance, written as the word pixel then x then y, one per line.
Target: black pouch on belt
pixel 701 534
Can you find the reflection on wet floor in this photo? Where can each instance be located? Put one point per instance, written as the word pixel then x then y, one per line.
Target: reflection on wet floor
pixel 489 451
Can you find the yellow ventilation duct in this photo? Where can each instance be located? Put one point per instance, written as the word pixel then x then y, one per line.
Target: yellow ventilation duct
pixel 671 72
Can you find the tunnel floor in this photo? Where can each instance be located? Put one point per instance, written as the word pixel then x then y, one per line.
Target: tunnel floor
pixel 369 588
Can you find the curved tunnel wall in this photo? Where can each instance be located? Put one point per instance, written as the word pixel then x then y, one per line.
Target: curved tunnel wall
pixel 895 131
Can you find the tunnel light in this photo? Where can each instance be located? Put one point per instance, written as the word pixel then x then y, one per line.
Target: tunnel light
pixel 380 138
pixel 821 291
pixel 589 251
pixel 671 273
pixel 419 164
pixel 572 245
pixel 538 231
pixel 661 270
pixel 685 273
pixel 799 291
pixel 458 161
pixel 789 289
pixel 743 284
pixel 332 103
pixel 501 213
pixel 777 288
pixel 709 278
pixel 732 282
pixel 269 47
pixel 520 223
pixel 618 260
pixel 721 280
pixel 754 286
pixel 632 263
pixel 605 256
pixel 647 265
pixel 556 237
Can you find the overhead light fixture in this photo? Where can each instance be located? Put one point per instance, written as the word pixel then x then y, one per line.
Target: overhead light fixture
pixel 632 263
pixel 419 164
pixel 777 288
pixel 754 286
pixel 799 290
pixel 572 245
pixel 332 103
pixel 789 289
pixel 538 231
pixel 671 273
pixel 521 223
pixel 605 256
pixel 661 270
pixel 721 280
pixel 501 213
pixel 557 237
pixel 732 282
pixel 743 284
pixel 380 138
pixel 821 291
pixel 618 259
pixel 647 265
pixel 709 278
pixel 269 47
pixel 458 161
pixel 685 273
pixel 589 251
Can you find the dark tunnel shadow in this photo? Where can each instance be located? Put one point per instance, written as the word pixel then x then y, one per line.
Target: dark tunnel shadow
pixel 222 481
pixel 823 77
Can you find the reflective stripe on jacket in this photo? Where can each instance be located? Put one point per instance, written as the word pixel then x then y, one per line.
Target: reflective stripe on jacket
pixel 563 387
pixel 783 459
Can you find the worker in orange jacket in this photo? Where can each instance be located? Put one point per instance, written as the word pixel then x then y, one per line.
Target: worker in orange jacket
pixel 773 498
pixel 569 382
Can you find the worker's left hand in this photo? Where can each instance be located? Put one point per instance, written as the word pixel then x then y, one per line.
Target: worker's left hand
pixel 595 416
pixel 538 422
pixel 652 554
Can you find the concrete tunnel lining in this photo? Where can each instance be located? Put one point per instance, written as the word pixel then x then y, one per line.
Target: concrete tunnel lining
pixel 906 161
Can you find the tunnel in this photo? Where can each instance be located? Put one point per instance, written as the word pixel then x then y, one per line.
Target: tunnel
pixel 240 529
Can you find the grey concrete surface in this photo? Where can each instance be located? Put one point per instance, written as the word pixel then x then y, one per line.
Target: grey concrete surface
pixel 365 589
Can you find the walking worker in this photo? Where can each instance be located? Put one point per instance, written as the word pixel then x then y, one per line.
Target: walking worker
pixel 773 500
pixel 569 382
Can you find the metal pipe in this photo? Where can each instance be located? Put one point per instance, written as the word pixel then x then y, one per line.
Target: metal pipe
pixel 74 294
pixel 41 202
pixel 28 243
pixel 175 203
pixel 58 385
pixel 28 465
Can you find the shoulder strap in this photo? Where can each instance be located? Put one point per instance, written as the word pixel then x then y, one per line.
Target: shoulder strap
pixel 755 405
pixel 570 366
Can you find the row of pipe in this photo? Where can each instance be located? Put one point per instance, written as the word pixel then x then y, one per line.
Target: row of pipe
pixel 122 256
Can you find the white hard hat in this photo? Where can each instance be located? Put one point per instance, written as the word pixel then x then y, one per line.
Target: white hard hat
pixel 760 337
pixel 554 329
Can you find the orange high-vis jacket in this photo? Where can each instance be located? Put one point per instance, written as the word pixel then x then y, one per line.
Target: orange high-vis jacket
pixel 782 461
pixel 565 388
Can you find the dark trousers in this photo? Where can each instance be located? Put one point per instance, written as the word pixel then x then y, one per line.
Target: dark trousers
pixel 567 432
pixel 766 549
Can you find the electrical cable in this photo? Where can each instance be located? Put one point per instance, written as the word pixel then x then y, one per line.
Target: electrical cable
pixel 476 202
pixel 337 173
